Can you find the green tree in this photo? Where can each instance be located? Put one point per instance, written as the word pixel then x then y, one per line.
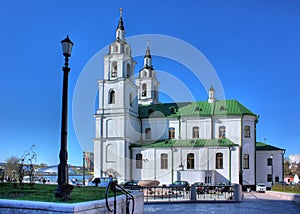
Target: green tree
pixel 12 167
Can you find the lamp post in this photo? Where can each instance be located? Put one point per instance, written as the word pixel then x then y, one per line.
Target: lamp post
pixel 272 169
pixel 63 189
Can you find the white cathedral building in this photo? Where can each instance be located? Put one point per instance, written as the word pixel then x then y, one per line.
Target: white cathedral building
pixel 140 138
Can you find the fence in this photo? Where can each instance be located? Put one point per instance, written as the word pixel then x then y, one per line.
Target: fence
pixel 195 193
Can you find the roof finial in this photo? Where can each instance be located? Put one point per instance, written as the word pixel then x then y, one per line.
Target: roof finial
pixel 120 23
pixel 121 12
pixel 148 54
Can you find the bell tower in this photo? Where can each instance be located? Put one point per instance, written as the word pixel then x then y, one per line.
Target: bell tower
pixel 146 82
pixel 211 95
pixel 117 114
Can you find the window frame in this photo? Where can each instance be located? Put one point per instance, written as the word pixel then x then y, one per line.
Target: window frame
pixel 222 131
pixel 138 161
pixel 246 161
pixel 190 161
pixel 112 97
pixel 196 132
pixel 130 100
pixel 269 161
pixel 247 133
pixel 144 90
pixel 171 133
pixel 269 177
pixel 164 161
pixel 114 70
pixel 219 160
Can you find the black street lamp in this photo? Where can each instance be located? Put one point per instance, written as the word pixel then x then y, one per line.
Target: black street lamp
pixel 272 169
pixel 64 189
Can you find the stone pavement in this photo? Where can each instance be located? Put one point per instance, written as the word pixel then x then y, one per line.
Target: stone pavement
pixel 258 203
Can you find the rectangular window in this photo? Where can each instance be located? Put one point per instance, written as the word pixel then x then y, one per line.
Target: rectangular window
pixel 164 161
pixel 190 161
pixel 247 131
pixel 208 179
pixel 139 161
pixel 148 133
pixel 269 177
pixel 222 131
pixel 196 132
pixel 246 161
pixel 219 161
pixel 269 161
pixel 171 133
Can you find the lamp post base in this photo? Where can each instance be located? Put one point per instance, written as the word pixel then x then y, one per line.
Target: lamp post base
pixel 63 191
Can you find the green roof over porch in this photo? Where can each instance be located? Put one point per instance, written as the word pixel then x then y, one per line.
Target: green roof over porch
pixel 222 142
pixel 260 146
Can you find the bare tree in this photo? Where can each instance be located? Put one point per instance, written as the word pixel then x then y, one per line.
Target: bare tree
pixel 28 157
pixel 30 162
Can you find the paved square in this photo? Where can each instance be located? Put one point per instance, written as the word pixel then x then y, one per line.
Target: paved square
pixel 258 203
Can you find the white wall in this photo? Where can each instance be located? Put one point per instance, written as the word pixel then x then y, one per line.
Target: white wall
pixel 262 169
pixel 204 160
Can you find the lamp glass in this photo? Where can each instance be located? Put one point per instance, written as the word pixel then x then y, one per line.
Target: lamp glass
pixel 67 45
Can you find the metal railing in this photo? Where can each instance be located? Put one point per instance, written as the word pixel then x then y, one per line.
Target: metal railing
pixel 113 186
pixel 163 193
pixel 214 192
pixel 194 193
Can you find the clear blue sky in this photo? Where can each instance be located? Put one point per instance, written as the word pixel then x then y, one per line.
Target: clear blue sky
pixel 254 47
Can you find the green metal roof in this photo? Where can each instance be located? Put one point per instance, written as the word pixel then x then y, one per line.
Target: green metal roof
pixel 185 143
pixel 263 146
pixel 220 108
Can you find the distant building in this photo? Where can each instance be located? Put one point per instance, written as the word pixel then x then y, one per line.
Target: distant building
pixel 89 161
pixel 139 138
pixel 269 164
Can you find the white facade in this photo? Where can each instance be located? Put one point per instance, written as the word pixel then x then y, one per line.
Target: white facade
pixel 204 165
pixel 269 166
pixel 210 141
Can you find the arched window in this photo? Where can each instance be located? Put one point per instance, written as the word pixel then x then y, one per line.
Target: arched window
pixel 246 161
pixel 219 160
pixel 164 161
pixel 195 132
pixel 110 153
pixel 148 133
pixel 128 70
pixel 116 48
pixel 222 131
pixel 144 90
pixel 112 97
pixel 114 70
pixel 171 133
pixel 130 100
pixel 247 131
pixel 145 74
pixel 139 161
pixel 190 161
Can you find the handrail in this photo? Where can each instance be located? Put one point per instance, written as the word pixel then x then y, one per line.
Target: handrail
pixel 112 185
